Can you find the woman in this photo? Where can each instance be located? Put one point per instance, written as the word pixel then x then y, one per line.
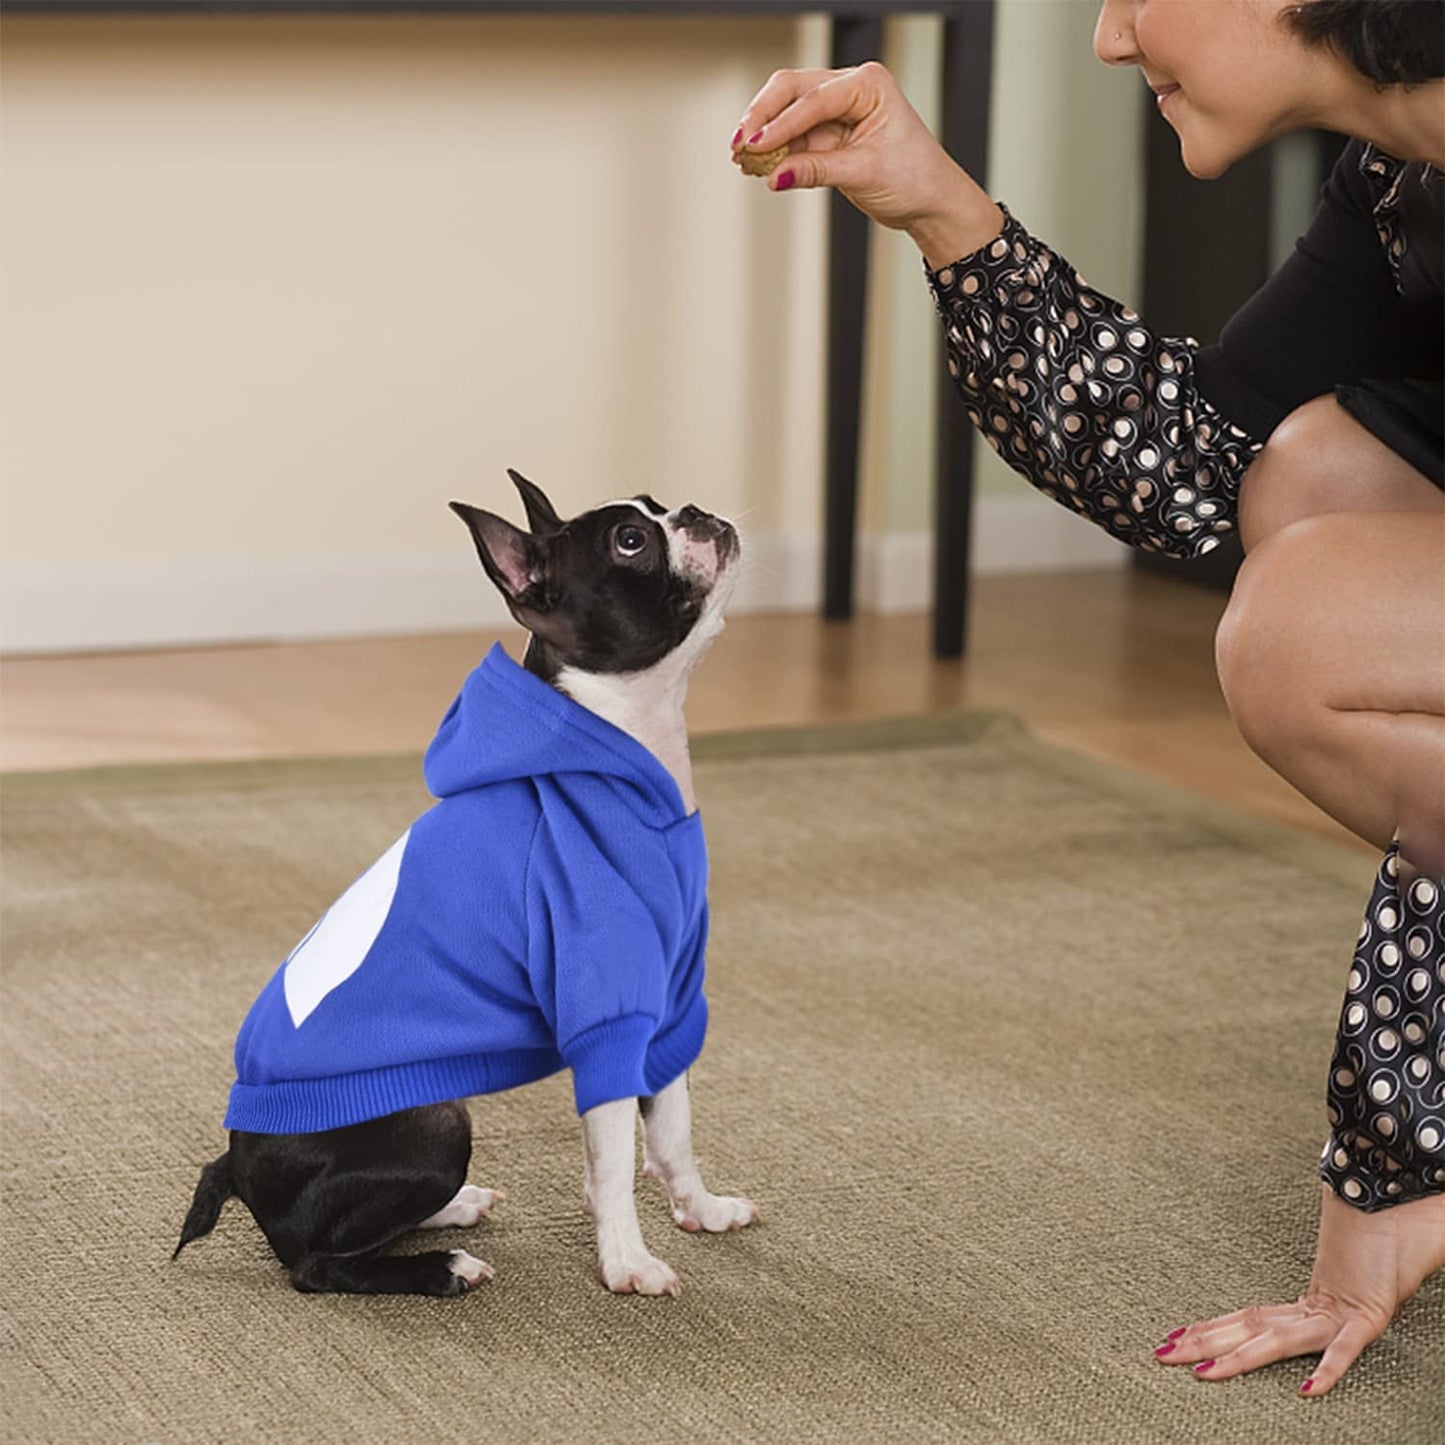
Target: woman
pixel 1314 427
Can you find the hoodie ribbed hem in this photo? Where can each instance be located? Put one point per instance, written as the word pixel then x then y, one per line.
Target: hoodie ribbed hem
pixel 622 1060
pixel 619 1059
pixel 306 1106
pixel 672 1054
pixel 607 1061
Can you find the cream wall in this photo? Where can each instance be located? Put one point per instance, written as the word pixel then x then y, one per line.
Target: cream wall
pixel 276 289
pixel 1066 156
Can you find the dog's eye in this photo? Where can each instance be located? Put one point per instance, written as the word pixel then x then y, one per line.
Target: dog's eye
pixel 629 541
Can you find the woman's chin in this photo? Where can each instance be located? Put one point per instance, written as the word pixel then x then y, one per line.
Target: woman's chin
pixel 1203 161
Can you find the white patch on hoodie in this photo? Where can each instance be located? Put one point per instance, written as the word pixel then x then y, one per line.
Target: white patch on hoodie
pixel 336 947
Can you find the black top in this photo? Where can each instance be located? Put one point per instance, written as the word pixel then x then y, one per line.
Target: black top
pixel 1355 300
pixel 1148 435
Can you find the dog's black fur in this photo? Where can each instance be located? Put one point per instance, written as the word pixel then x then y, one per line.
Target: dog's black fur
pixel 329 1203
pixel 598 594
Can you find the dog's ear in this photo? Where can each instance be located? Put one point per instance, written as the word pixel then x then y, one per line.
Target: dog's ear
pixel 542 517
pixel 511 558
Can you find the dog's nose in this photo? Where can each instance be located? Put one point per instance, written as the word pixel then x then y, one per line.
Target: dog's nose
pixel 689 515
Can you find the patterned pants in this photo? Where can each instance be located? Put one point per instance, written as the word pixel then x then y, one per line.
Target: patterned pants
pixel 1387 1080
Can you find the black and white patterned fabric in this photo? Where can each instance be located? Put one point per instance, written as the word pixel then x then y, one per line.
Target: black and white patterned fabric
pixel 1078 395
pixel 1404 192
pixel 1387 1080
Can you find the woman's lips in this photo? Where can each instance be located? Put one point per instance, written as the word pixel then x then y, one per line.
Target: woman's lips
pixel 1163 93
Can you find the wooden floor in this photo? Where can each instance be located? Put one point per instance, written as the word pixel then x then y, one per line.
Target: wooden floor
pixel 1115 664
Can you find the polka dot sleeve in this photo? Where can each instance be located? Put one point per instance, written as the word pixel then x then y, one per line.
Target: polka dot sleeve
pixel 1075 392
pixel 1387 1080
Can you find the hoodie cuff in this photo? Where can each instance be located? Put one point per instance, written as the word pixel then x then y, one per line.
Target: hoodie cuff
pixel 607 1061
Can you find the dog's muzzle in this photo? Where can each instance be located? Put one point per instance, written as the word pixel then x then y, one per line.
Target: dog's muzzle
pixel 702 526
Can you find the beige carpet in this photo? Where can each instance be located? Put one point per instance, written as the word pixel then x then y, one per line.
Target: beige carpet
pixel 1022 1057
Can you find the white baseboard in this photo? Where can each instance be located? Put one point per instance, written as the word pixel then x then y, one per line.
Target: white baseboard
pixel 183 602
pixel 180 603
pixel 1023 533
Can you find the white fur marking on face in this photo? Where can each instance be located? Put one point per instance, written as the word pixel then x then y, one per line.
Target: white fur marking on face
pixel 686 557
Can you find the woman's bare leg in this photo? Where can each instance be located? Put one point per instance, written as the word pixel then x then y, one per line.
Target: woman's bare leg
pixel 1320 460
pixel 1332 651
pixel 1332 657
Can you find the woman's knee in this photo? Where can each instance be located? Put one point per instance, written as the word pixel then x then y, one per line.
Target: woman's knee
pixel 1264 645
pixel 1331 664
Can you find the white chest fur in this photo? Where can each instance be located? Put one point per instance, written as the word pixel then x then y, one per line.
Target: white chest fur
pixel 647 706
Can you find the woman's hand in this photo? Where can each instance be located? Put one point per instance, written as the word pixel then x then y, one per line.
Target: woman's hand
pixel 854 130
pixel 1366 1267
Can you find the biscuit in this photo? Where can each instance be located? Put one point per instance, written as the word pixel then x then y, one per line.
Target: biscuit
pixel 761 163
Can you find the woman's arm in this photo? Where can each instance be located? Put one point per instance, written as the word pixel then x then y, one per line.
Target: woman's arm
pixel 1075 392
pixel 1148 436
pixel 1069 386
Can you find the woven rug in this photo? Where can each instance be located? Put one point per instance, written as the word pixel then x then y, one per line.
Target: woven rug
pixel 1022 1057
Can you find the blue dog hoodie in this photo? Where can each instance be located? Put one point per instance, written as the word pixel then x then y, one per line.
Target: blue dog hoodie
pixel 549 911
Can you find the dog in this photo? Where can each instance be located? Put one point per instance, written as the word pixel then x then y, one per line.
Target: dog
pixel 549 911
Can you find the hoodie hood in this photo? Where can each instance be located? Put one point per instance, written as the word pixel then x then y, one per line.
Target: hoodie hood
pixel 507 725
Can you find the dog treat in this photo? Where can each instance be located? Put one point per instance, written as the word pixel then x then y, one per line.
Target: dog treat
pixel 762 163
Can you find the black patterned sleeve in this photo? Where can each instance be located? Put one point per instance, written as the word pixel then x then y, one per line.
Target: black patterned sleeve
pixel 1387 1079
pixel 1076 393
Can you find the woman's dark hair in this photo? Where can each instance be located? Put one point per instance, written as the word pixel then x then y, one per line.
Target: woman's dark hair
pixel 1392 42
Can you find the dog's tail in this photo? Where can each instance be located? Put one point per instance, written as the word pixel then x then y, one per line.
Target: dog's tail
pixel 216 1186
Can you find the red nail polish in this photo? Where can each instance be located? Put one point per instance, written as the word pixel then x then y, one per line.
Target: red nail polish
pixel 1174 1334
pixel 737 135
pixel 1165 1349
pixel 1200 1369
pixel 785 181
pixel 755 138
pixel 1307 1386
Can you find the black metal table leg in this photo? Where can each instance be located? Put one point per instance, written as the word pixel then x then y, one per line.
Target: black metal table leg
pixel 854 41
pixel 967 69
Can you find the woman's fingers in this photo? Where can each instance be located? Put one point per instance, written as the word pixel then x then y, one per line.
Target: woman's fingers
pixel 804 170
pixel 855 131
pixel 1212 1339
pixel 806 101
pixel 783 87
pixel 1303 1334
pixel 1263 1335
pixel 1357 1331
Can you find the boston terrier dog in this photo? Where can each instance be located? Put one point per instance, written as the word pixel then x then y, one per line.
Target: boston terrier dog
pixel 548 912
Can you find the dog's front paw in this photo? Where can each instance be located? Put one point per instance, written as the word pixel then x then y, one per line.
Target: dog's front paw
pixel 639 1273
pixel 713 1213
